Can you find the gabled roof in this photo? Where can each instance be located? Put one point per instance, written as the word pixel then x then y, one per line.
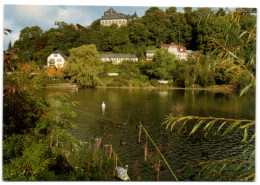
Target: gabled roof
pixel 110 11
pixel 60 52
pixel 181 48
pixel 112 14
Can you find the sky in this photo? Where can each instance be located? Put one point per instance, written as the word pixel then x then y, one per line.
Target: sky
pixel 19 15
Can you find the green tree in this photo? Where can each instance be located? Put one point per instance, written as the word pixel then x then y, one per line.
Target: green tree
pixel 10 47
pixel 138 32
pixel 95 25
pixel 171 10
pixel 163 64
pixel 84 65
pixel 27 42
pixel 178 31
pixel 227 73
pixel 156 21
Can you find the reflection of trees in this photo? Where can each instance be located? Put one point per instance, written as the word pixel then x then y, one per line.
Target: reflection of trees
pixel 177 109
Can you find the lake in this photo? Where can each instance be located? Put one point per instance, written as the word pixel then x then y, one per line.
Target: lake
pixel 150 106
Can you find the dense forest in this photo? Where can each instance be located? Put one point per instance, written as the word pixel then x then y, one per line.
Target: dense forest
pixel 192 28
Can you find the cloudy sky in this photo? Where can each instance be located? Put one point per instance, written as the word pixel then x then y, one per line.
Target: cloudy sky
pixel 18 16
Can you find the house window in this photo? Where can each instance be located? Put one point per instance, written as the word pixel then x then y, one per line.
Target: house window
pixel 59 60
pixel 55 55
pixel 51 62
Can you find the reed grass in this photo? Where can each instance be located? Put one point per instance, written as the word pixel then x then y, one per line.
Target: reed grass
pixel 147 134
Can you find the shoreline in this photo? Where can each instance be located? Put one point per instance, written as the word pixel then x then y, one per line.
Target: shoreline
pixel 220 88
pixel 215 88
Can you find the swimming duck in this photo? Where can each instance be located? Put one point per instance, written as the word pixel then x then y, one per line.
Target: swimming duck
pixel 123 142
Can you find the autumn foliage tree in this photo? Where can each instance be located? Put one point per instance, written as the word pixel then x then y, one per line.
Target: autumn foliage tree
pixel 51 71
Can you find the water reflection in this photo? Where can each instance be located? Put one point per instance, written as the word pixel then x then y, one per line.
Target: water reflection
pixel 103 110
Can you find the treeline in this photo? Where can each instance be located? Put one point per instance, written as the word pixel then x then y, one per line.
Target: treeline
pixel 191 28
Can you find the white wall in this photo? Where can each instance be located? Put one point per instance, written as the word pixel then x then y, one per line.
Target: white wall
pixel 58 60
pixel 119 22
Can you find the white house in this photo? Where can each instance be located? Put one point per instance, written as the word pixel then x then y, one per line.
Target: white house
pixel 178 50
pixel 57 59
pixel 117 58
pixel 149 54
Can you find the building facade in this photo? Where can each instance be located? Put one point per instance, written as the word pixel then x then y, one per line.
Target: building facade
pixel 57 59
pixel 112 17
pixel 117 58
pixel 179 51
pixel 149 54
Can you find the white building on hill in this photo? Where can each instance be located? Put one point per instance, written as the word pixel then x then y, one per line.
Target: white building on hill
pixel 179 51
pixel 57 59
pixel 117 58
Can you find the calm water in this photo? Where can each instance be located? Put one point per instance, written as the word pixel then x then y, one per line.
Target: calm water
pixel 150 106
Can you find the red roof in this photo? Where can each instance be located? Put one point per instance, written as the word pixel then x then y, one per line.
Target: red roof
pixel 181 48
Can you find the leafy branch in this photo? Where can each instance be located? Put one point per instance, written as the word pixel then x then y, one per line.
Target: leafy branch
pixel 178 123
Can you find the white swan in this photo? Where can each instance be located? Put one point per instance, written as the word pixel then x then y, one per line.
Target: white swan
pixel 122 173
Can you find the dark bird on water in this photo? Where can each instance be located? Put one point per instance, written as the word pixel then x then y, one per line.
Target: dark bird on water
pixel 123 142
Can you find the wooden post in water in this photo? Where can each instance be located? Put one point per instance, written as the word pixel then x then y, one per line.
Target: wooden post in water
pixel 110 151
pixel 140 131
pixel 145 149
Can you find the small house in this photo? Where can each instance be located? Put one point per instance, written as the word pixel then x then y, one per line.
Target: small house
pixel 178 50
pixel 149 54
pixel 57 59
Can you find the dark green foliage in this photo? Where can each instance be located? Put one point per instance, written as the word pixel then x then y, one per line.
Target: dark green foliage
pixel 36 144
pixel 130 75
pixel 27 42
pixel 10 47
pixel 15 107
pixel 163 64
